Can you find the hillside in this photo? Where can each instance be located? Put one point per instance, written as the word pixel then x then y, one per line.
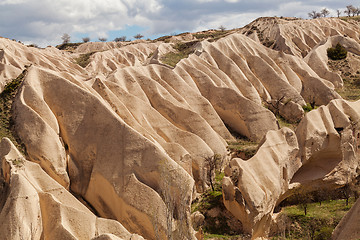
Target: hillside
pixel 118 138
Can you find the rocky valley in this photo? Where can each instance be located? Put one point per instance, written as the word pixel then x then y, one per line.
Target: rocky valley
pixel 116 140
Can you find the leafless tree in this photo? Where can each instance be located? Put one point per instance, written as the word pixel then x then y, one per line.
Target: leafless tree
pixel 324 12
pixel 350 9
pixel 314 14
pixel 86 39
pixel 222 28
pixel 338 12
pixel 346 191
pixel 357 12
pixel 66 38
pixel 213 163
pixel 138 36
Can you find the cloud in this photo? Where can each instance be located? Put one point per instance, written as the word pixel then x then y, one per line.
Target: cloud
pixel 44 21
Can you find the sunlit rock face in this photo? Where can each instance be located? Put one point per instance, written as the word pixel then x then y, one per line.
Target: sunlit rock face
pixel 126 135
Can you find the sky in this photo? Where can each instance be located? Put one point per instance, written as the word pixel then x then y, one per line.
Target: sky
pixel 43 22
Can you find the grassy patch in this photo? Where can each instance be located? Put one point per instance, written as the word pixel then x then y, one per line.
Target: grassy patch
pixel 243 148
pixel 351 89
pixel 319 221
pixel 213 35
pixel 221 237
pixel 182 50
pixel 350 75
pixel 84 59
pixel 6 100
pixel 284 123
pixel 209 199
pixel 347 19
pixel 68 46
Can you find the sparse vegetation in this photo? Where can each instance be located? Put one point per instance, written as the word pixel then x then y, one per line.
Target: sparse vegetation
pixel 318 223
pixel 213 164
pixel 350 76
pixel 212 35
pixel 68 46
pixel 120 39
pixel 219 223
pixel 242 148
pixel 66 38
pixel 6 121
pixel 308 107
pixel 86 39
pixel 102 39
pixel 183 50
pixel 138 36
pixel 18 162
pixel 337 53
pixel 284 123
pixel 84 59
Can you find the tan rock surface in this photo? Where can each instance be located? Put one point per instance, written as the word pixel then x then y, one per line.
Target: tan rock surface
pixel 298 36
pixel 252 188
pixel 82 134
pixel 328 139
pixel 34 206
pixel 128 135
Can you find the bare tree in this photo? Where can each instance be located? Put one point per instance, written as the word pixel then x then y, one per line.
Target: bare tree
pixel 350 9
pixel 120 39
pixel 222 28
pixel 213 163
pixel 357 12
pixel 86 39
pixel 138 36
pixel 66 38
pixel 338 12
pixel 314 14
pixel 325 12
pixel 346 191
pixel 102 39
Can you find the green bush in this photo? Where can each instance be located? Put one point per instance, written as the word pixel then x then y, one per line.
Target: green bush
pixel 337 53
pixel 324 233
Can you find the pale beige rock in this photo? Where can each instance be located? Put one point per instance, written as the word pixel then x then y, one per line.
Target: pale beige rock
pixel 317 58
pixel 298 36
pixel 34 206
pixel 252 190
pixel 103 152
pixel 348 227
pixel 328 139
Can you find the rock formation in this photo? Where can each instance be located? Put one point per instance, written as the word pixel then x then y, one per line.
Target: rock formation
pixel 252 188
pixel 34 206
pixel 127 134
pixel 322 155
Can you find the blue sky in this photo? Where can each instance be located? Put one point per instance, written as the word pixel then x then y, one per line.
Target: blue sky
pixel 44 21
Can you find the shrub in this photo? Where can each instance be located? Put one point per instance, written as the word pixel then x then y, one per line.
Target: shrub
pixel 138 36
pixel 86 39
pixel 120 39
pixel 337 53
pixel 324 233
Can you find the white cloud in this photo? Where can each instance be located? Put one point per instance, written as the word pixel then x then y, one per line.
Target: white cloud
pixel 44 21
